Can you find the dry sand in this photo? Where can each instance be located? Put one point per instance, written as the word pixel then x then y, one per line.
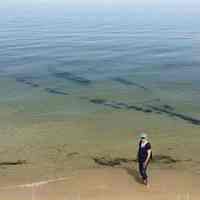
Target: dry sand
pixel 109 184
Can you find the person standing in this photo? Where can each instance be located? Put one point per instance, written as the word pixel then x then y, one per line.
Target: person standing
pixel 144 157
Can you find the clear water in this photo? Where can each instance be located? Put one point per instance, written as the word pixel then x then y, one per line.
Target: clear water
pixel 156 50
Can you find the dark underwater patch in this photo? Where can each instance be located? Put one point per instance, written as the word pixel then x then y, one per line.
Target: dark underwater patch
pixel 72 77
pixel 168 107
pixel 106 103
pixel 119 105
pixel 27 82
pixel 98 101
pixel 137 108
pixel 32 84
pixel 54 91
pixel 128 83
pixel 164 109
pixel 178 115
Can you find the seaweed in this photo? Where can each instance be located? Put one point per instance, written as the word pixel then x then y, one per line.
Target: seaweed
pixel 146 110
pixel 119 161
pixel 54 91
pixel 72 77
pixel 165 159
pixel 128 83
pixel 111 161
pixel 119 105
pixel 27 82
pixel 106 162
pixel 135 108
pixel 72 154
pixel 18 162
pixel 35 85
pixel 32 84
pixel 20 80
pixel 168 107
pixel 123 81
pixel 178 115
pixel 110 104
pixel 98 101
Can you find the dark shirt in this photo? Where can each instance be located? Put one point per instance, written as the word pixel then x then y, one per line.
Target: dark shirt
pixel 143 152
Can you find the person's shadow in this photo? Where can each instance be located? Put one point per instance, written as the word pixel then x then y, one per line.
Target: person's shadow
pixel 134 173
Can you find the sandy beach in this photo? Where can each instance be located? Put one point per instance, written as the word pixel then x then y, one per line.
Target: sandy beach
pixel 62 168
pixel 109 184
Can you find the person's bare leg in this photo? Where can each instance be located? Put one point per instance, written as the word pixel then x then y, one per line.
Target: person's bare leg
pixel 145 181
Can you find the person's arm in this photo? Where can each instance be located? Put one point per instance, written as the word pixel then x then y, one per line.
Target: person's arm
pixel 148 157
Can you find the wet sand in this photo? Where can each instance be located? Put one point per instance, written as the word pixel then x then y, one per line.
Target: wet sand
pixel 111 184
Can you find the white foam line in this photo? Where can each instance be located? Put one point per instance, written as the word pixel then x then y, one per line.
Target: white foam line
pixel 36 184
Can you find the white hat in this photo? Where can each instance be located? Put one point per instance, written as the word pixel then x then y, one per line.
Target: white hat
pixel 143 135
